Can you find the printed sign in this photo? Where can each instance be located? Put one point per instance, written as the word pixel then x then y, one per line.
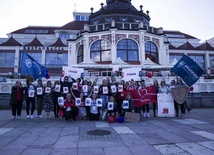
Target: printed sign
pixel 88 102
pixel 125 104
pixel 47 90
pixel 120 88
pixel 113 89
pixel 31 93
pixel 60 101
pixel 99 102
pixel 75 86
pixel 110 105
pixel 165 105
pixel 72 72
pixel 39 91
pixel 78 101
pixel 105 90
pixel 96 89
pixel 65 90
pixel 57 88
pixel 85 88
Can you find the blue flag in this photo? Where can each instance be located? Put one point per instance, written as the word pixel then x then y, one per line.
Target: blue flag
pixel 188 70
pixel 29 66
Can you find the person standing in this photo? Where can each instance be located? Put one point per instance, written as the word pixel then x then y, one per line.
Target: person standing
pixel 156 86
pixel 39 97
pixel 56 93
pixel 145 108
pixel 48 100
pixel 172 85
pixel 16 99
pixel 30 98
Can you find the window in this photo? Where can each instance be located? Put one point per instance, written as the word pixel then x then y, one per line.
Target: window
pixel 35 56
pixel 64 36
pixel 127 50
pixel 56 60
pixel 80 54
pixel 172 57
pixel 101 51
pixel 151 51
pixel 199 59
pixel 212 62
pixel 7 59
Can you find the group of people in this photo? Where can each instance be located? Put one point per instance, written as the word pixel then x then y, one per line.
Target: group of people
pixel 82 99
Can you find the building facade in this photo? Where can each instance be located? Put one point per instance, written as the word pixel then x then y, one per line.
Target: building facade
pixel 116 30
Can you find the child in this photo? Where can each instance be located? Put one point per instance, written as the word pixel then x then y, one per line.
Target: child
pixel 130 105
pixel 94 110
pixel 71 111
pixel 113 112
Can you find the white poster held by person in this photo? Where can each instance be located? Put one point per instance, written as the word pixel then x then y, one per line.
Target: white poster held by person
pixel 47 90
pixel 78 101
pixel 31 93
pixel 85 88
pixel 99 102
pixel 60 101
pixel 125 104
pixel 165 105
pixel 39 91
pixel 105 90
pixel 88 102
pixel 110 105
pixel 72 72
pixel 113 89
pixel 57 88
pixel 96 89
pixel 120 88
pixel 65 90
pixel 75 86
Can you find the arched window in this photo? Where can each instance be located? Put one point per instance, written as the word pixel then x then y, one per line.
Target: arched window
pixel 80 54
pixel 101 51
pixel 151 51
pixel 127 50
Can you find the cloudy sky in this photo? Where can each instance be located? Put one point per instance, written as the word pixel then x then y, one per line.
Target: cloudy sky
pixel 194 17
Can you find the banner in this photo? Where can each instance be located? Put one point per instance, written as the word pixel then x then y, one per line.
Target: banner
pixel 143 96
pixel 72 72
pixel 188 70
pixel 29 66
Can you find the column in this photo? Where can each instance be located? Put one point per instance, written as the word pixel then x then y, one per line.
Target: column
pixel 207 62
pixel 113 47
pixel 141 47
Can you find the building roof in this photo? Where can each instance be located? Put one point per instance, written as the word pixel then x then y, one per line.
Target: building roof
pixel 36 30
pixel 186 46
pixel 11 42
pixel 35 42
pixel 58 43
pixel 74 25
pixel 172 47
pixel 177 34
pixel 206 46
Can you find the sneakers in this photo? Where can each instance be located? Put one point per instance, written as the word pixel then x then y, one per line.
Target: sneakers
pixel 28 116
pixel 40 116
pixel 148 115
pixel 144 114
pixel 31 117
pixel 18 117
pixel 13 117
pixel 182 116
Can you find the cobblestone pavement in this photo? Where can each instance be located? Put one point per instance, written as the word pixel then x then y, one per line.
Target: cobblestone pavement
pixel 151 136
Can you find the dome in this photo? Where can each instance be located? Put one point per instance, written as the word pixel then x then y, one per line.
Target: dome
pixel 120 11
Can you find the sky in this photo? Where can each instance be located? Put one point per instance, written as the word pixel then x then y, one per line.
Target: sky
pixel 193 17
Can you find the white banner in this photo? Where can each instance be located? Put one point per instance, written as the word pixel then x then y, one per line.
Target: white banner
pixel 165 105
pixel 73 72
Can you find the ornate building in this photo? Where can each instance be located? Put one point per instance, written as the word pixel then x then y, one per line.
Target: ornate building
pixel 117 29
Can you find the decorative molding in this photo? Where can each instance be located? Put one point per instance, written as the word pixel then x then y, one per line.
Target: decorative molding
pixel 156 41
pixel 92 39
pixel 108 37
pixel 146 38
pixel 119 36
pixel 135 37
